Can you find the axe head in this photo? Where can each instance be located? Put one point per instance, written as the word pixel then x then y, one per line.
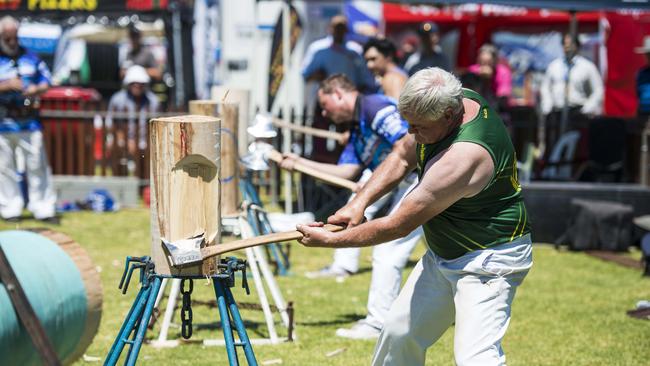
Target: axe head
pixel 256 159
pixel 185 251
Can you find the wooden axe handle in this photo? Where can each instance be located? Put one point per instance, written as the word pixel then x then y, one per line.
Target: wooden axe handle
pixel 310 130
pixel 218 249
pixel 276 156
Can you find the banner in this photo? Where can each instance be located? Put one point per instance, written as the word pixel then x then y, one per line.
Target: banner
pixel 82 5
pixel 276 71
pixel 573 5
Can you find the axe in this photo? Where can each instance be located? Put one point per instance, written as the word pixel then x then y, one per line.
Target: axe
pixel 276 156
pixel 260 153
pixel 188 251
pixel 305 130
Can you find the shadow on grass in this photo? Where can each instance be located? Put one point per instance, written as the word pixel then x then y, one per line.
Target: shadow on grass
pixel 252 328
pixel 409 264
pixel 343 319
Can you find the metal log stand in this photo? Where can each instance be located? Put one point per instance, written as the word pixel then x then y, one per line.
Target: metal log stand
pixel 259 221
pixel 135 324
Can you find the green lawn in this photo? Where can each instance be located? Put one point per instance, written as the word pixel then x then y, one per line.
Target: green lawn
pixel 569 311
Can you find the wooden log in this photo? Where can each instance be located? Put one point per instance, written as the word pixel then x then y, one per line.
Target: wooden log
pixel 229 172
pixel 226 94
pixel 185 190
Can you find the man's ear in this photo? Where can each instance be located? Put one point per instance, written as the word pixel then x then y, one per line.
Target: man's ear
pixel 338 93
pixel 449 115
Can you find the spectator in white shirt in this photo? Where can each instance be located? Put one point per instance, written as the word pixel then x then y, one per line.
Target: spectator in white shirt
pixel 585 84
pixel 574 80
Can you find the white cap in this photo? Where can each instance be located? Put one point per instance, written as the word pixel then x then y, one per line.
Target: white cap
pixel 136 74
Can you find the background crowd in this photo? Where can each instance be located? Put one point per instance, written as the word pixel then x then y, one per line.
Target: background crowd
pixel 569 94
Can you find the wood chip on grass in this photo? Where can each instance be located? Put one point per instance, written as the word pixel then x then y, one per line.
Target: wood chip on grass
pixel 275 361
pixel 335 352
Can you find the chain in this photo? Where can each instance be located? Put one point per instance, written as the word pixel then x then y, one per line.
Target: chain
pixel 186 310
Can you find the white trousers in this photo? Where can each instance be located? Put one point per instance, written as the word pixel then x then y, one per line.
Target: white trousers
pixel 475 291
pixel 29 144
pixel 388 259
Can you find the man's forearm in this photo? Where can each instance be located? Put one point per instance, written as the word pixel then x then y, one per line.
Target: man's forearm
pixel 371 233
pixel 6 86
pixel 388 175
pixel 154 73
pixel 343 171
pixel 382 181
pixel 42 88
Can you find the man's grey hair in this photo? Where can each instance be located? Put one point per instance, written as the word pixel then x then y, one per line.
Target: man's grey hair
pixel 8 21
pixel 429 93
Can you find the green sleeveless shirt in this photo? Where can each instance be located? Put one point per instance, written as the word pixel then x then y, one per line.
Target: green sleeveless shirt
pixel 497 214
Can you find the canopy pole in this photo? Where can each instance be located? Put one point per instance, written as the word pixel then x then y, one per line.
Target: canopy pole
pixel 179 77
pixel 286 133
pixel 573 23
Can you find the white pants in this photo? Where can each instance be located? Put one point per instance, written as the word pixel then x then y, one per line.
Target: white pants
pixel 388 259
pixel 475 291
pixel 41 194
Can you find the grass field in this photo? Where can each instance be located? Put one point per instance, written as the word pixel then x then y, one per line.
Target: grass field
pixel 569 311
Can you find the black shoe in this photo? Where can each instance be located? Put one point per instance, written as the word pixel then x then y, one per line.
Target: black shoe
pixel 646 263
pixel 14 219
pixel 53 220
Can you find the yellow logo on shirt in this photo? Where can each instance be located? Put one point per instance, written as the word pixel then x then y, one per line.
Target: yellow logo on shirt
pixel 514 179
pixel 421 159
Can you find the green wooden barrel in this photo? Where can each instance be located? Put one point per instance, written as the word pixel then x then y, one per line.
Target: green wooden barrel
pixel 63 287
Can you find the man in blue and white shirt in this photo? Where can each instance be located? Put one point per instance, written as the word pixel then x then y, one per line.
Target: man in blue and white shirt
pixel 377 130
pixel 23 77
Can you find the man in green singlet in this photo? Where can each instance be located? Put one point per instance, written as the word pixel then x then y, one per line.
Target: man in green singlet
pixel 476 227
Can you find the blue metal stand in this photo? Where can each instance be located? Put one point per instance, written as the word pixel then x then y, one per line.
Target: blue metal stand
pixel 134 327
pixel 261 225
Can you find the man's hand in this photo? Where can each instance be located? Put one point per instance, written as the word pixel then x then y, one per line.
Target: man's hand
pixel 345 137
pixel 486 71
pixel 31 91
pixel 349 215
pixel 588 111
pixel 313 235
pixel 289 161
pixel 132 147
pixel 318 75
pixel 13 84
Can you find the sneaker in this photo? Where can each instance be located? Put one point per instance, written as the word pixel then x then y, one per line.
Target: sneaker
pixel 328 272
pixel 360 330
pixel 52 220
